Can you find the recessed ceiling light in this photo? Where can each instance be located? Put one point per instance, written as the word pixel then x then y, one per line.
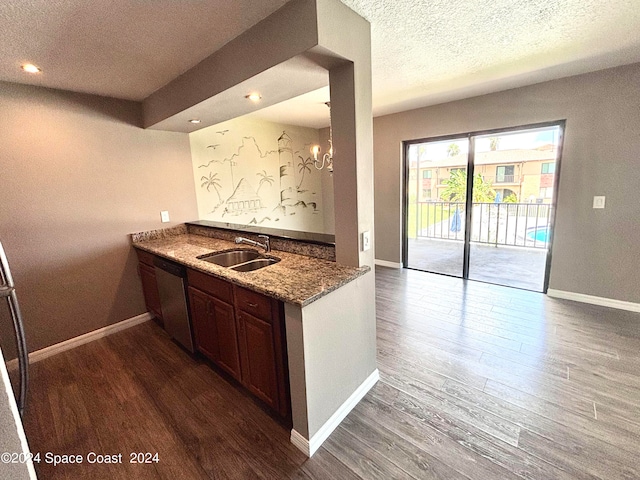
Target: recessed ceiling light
pixel 31 68
pixel 194 120
pixel 254 97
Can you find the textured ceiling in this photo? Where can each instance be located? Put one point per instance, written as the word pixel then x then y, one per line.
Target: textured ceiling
pixel 118 48
pixel 424 52
pixel 427 52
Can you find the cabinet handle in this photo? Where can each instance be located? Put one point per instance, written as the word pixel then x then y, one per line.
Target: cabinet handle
pixel 208 307
pixel 252 305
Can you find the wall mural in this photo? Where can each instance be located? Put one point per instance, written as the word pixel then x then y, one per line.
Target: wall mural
pixel 256 172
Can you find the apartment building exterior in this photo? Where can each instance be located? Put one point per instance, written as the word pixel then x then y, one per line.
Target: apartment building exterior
pixel 522 175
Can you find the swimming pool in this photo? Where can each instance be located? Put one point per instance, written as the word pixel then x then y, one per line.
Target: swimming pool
pixel 539 234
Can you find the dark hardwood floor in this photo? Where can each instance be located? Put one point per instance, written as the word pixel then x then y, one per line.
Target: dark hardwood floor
pixel 477 381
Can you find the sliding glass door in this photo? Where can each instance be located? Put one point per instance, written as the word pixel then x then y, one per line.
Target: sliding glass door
pixel 436 208
pixel 497 228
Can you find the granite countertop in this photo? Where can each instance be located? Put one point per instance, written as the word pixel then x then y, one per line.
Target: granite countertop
pixel 296 279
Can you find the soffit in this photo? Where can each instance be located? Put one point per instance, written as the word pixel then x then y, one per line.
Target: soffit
pixel 299 75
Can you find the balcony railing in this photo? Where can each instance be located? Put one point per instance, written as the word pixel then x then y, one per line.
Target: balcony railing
pixel 501 178
pixel 442 182
pixel 510 224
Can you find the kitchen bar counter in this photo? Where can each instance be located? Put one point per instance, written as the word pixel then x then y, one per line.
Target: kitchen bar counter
pixel 296 279
pixel 310 237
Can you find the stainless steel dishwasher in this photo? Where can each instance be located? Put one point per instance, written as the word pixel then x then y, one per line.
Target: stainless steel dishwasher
pixel 171 278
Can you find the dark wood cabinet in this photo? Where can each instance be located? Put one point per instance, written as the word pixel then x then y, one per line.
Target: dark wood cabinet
pixel 227 337
pixel 241 331
pixel 149 284
pixel 261 341
pixel 214 329
pixel 204 332
pixel 258 358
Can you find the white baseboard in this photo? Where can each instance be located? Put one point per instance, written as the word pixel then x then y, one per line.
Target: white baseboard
pixel 386 263
pixel 602 301
pixel 309 447
pixel 81 340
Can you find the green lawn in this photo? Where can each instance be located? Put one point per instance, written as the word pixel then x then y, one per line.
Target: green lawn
pixel 430 214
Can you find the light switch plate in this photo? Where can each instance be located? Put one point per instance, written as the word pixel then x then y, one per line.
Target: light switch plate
pixel 366 241
pixel 164 216
pixel 598 202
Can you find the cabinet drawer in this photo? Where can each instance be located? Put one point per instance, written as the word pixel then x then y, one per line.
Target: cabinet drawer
pixel 211 285
pixel 145 257
pixel 253 303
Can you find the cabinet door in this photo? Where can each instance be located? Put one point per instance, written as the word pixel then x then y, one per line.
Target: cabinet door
pixel 225 323
pixel 150 289
pixel 214 329
pixel 258 358
pixel 204 327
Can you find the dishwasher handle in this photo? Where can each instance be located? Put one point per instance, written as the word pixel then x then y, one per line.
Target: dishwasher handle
pixel 170 267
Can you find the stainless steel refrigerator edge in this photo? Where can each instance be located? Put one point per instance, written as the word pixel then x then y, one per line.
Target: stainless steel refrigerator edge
pixel 8 291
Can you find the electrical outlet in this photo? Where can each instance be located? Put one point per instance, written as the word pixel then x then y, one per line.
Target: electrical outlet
pixel 366 241
pixel 164 216
pixel 598 202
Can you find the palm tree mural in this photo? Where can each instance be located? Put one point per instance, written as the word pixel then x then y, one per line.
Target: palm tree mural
pixel 264 178
pixel 212 181
pixel 304 165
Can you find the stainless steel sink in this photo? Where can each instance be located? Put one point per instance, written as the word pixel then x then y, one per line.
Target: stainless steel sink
pixel 240 260
pixel 231 257
pixel 255 264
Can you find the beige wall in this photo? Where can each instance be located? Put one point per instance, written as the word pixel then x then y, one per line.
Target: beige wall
pixel 594 251
pixel 329 219
pixel 77 176
pixel 322 338
pixel 338 331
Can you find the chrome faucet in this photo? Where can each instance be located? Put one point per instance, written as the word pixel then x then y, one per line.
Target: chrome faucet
pixel 266 245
